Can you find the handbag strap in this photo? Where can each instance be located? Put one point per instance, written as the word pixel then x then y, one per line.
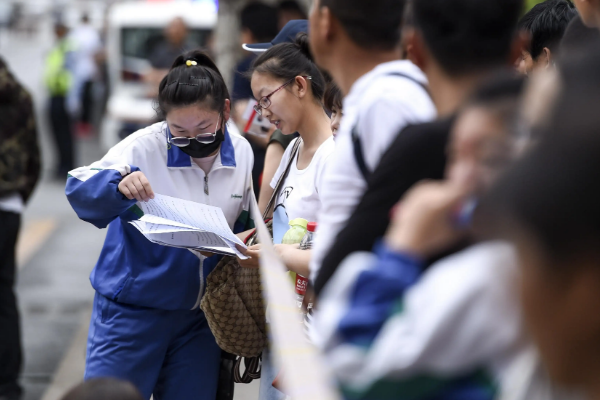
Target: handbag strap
pixel 251 372
pixel 282 178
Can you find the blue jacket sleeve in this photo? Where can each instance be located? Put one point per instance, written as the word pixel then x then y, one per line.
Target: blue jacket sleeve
pixel 93 193
pixel 376 293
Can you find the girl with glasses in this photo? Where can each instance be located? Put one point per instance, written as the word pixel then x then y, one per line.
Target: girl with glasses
pixel 289 88
pixel 147 327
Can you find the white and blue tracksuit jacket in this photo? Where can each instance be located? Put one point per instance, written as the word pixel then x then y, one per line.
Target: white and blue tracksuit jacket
pixel 131 269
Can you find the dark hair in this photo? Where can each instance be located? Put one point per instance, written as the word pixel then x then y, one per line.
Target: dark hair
pixel 576 36
pixel 502 84
pixel 576 107
pixel 104 389
pixel 500 96
pixel 466 36
pixel 291 6
pixel 408 18
pixel 186 85
pixel 332 97
pixel 373 24
pixel 288 60
pixel 552 192
pixel 546 22
pixel 260 19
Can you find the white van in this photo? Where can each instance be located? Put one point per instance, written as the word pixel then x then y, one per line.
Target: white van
pixel 133 29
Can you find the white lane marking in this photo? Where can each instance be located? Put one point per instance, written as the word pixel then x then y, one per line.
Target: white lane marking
pixel 33 235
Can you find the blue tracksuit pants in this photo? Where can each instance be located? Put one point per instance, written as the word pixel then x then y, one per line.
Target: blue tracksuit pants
pixel 170 354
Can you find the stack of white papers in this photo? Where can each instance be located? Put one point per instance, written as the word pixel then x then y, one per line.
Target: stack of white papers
pixel 180 223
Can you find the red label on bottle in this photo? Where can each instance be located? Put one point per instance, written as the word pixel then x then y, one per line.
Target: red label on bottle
pixel 301 284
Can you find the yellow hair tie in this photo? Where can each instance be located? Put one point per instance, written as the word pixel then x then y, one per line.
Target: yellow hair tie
pixel 189 63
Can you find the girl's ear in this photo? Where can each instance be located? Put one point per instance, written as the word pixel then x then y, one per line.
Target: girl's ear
pixel 301 86
pixel 227 110
pixel 546 57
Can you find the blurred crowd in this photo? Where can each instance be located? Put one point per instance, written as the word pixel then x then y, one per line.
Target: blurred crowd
pixel 444 151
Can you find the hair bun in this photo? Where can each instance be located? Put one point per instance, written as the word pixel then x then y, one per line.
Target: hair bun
pixel 302 43
pixel 202 59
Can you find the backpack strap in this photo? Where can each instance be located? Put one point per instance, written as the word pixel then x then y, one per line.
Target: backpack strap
pixel 356 141
pixel 358 153
pixel 410 78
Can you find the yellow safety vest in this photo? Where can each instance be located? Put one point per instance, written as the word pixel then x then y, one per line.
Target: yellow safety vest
pixel 58 77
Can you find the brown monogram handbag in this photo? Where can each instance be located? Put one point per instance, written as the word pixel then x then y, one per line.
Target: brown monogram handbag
pixel 233 302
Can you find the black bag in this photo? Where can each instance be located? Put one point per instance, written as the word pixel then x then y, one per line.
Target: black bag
pixel 226 384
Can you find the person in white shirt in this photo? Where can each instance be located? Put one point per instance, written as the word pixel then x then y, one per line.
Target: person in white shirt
pixel 289 88
pixel 358 43
pixel 87 44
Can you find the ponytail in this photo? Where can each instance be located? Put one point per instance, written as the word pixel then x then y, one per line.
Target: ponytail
pixel 193 79
pixel 288 60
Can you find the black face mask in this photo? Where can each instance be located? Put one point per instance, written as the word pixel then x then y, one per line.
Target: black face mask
pixel 200 150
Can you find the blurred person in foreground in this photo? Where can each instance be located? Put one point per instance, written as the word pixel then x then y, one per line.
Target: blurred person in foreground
pixel 576 37
pixel 289 10
pixel 391 324
pixel 545 23
pixel 104 389
pixel 19 173
pixel 452 42
pixel 87 44
pixel 358 43
pixel 259 24
pixel 59 82
pixel 589 11
pixel 547 205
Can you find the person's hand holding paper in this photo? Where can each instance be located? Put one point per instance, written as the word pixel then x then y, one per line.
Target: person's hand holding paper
pixel 180 223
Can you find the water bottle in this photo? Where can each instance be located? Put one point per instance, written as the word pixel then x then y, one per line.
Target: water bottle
pixel 296 232
pixel 294 236
pixel 307 240
pixel 301 281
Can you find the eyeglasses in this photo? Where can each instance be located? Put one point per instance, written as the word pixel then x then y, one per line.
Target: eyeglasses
pixel 265 102
pixel 204 138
